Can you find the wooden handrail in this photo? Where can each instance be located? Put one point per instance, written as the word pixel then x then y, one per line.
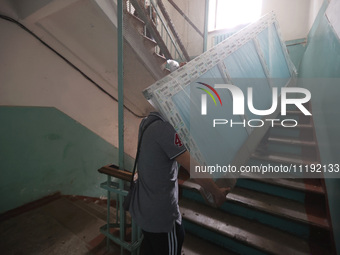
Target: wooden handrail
pixel 114 171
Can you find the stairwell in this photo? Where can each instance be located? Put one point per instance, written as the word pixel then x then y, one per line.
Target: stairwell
pixel 268 215
pixel 144 46
pixel 261 215
pixel 71 225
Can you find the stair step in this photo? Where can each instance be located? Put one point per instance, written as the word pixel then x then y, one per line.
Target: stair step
pixel 149 44
pixel 283 158
pixel 166 71
pixel 305 185
pixel 294 112
pixel 246 232
pixel 298 126
pixel 281 207
pixel 249 212
pixel 270 204
pixel 161 60
pixel 292 107
pixel 287 132
pixel 136 22
pixel 277 148
pixel 197 246
pixel 291 141
pixel 296 115
pixel 289 145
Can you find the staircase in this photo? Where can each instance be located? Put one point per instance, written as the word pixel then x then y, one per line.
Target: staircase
pixel 145 46
pixel 267 215
pixel 148 23
pixel 70 225
pixel 193 245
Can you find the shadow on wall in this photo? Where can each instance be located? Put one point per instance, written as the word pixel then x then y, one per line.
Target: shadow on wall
pixel 44 151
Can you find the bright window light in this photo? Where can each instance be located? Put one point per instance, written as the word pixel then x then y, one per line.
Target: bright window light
pixel 225 14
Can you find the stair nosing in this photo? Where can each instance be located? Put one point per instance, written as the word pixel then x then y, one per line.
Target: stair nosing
pixel 159 56
pixel 291 141
pixel 136 18
pixel 149 40
pixel 283 158
pixel 242 230
pixel 192 240
pixel 303 126
pixel 308 219
pixel 286 183
pixel 294 112
pixel 233 197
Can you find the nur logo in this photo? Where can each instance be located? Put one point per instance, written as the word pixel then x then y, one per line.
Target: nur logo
pixel 238 99
pixel 238 104
pixel 204 97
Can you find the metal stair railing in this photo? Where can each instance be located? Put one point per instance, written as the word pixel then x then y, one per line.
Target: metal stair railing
pixel 112 186
pixel 178 43
pixel 159 27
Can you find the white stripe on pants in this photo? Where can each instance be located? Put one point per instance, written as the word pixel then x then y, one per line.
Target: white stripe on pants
pixel 172 241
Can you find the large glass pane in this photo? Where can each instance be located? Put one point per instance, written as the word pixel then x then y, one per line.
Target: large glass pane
pixel 246 71
pixel 274 57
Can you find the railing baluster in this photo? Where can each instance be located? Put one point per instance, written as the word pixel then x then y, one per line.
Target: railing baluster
pixel 161 17
pixel 164 35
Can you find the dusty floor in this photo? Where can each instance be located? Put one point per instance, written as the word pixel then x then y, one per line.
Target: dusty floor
pixel 70 226
pixel 60 227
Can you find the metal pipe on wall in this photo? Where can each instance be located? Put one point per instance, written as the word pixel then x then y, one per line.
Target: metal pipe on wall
pixel 120 41
pixel 206 19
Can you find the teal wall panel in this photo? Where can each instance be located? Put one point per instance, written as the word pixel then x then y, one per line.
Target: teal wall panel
pixel 320 70
pixel 296 50
pixel 44 151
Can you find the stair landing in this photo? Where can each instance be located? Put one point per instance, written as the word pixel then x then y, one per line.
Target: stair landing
pixel 59 227
pixel 70 225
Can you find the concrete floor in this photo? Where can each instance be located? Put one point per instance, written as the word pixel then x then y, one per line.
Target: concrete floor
pixel 60 227
pixel 70 226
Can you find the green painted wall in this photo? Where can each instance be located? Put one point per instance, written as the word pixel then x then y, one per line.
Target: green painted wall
pixel 320 70
pixel 42 151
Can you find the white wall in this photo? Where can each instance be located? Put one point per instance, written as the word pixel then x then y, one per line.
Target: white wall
pixel 293 16
pixel 32 75
pixel 315 6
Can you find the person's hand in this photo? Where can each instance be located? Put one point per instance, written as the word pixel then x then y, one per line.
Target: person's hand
pixel 221 196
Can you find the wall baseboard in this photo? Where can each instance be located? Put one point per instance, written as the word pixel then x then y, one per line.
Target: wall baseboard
pixel 29 206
